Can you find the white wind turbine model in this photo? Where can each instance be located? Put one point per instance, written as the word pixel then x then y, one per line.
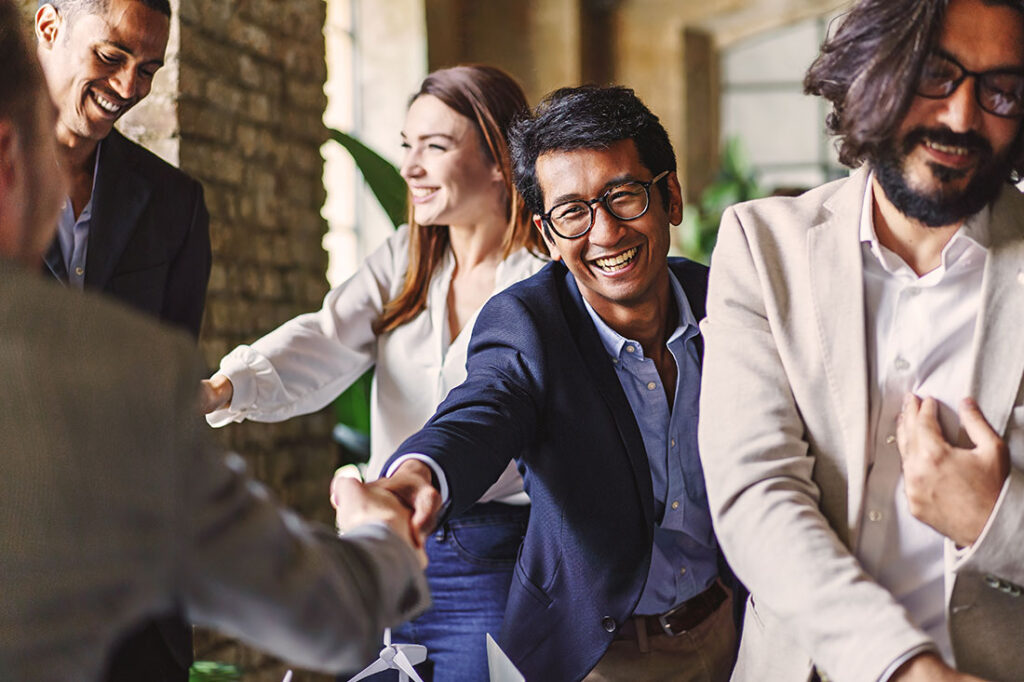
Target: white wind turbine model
pixel 400 657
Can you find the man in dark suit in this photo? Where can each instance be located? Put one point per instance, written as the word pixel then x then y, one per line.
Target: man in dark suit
pixel 133 226
pixel 587 374
pixel 115 506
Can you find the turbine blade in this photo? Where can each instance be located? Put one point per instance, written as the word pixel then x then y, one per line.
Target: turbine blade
pixel 372 669
pixel 402 661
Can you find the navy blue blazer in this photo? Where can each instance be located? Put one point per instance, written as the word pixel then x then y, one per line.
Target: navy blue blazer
pixel 149 239
pixel 541 389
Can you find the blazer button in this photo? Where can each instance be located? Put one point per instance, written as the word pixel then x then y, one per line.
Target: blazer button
pixel 608 623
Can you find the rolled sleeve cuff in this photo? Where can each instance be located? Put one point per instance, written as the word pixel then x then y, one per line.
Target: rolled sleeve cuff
pixel 442 482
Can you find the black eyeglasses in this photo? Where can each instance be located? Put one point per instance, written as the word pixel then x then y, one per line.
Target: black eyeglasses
pixel 1000 92
pixel 628 201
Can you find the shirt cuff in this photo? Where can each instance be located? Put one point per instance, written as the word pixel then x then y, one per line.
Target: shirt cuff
pixel 442 482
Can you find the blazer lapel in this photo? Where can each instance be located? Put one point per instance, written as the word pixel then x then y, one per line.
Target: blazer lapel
pixel 999 362
pixel 837 290
pixel 596 358
pixel 118 200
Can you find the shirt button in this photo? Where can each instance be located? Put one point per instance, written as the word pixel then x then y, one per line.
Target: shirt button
pixel 651 385
pixel 630 349
pixel 79 270
pixel 890 439
pixel 901 364
pixel 673 442
pixel 675 505
pixel 874 515
pixel 682 571
pixel 608 623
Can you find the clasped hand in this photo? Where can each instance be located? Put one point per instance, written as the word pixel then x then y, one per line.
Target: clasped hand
pixel 406 501
pixel 953 490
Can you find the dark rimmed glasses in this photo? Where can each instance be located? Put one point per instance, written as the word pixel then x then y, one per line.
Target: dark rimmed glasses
pixel 1000 92
pixel 628 201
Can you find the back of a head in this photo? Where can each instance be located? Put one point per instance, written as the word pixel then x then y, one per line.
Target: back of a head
pixel 586 117
pixel 21 78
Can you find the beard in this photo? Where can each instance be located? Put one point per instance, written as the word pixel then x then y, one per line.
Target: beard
pixel 945 205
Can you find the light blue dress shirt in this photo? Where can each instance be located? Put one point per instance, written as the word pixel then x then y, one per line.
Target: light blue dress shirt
pixel 684 558
pixel 73 235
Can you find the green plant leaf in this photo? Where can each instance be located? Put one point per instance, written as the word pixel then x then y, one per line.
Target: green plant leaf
pixel 380 174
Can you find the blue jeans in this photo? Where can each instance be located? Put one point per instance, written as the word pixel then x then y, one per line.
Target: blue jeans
pixel 471 563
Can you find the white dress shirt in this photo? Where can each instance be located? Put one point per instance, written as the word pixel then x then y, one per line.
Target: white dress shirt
pixel 919 336
pixel 307 362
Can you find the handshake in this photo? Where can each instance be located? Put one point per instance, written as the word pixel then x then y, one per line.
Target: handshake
pixel 406 502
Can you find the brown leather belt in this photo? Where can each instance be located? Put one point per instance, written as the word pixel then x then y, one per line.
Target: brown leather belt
pixel 686 616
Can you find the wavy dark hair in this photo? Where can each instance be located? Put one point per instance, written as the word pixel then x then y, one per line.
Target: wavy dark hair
pixel 869 71
pixel 491 99
pixel 587 117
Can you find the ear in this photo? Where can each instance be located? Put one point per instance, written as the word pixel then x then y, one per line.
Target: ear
pixel 549 242
pixel 49 24
pixel 675 198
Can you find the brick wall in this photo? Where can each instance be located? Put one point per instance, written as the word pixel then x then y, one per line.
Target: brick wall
pixel 249 107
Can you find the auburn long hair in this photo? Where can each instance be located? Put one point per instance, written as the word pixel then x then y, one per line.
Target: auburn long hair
pixel 491 99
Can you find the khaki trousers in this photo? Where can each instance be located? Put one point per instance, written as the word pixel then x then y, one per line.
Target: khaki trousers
pixel 704 654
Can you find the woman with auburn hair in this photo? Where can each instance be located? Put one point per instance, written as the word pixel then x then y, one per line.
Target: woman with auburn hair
pixel 409 312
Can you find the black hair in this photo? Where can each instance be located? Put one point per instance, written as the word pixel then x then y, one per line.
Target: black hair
pixel 72 8
pixel 586 117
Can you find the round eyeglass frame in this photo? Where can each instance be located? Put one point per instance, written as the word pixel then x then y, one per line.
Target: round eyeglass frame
pixel 979 77
pixel 603 200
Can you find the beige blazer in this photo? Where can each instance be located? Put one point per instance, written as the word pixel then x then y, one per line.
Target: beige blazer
pixel 114 506
pixel 784 437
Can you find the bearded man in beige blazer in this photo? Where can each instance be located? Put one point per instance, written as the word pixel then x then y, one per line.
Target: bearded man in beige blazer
pixel 862 425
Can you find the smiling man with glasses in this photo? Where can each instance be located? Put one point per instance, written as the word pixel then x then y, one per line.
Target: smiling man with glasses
pixel 588 374
pixel 863 347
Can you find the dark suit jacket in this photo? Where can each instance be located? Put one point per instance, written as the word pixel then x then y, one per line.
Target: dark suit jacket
pixel 149 240
pixel 149 247
pixel 540 388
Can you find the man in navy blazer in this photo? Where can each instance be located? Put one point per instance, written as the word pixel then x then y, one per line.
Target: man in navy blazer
pixel 587 374
pixel 133 226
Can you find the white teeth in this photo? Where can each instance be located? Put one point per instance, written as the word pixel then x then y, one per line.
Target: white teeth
pixel 422 191
pixel 946 149
pixel 105 103
pixel 616 262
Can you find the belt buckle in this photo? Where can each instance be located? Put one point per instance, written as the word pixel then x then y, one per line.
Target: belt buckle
pixel 663 621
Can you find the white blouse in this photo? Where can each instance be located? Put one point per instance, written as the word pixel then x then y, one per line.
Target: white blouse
pixel 304 364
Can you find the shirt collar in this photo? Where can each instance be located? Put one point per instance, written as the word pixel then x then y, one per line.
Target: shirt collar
pixel 614 342
pixel 973 235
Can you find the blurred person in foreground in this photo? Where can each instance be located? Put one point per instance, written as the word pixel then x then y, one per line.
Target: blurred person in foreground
pixel 862 411
pixel 115 506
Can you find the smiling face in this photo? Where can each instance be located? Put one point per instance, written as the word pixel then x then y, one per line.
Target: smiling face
pixel 451 178
pixel 619 265
pixel 950 157
pixel 99 66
